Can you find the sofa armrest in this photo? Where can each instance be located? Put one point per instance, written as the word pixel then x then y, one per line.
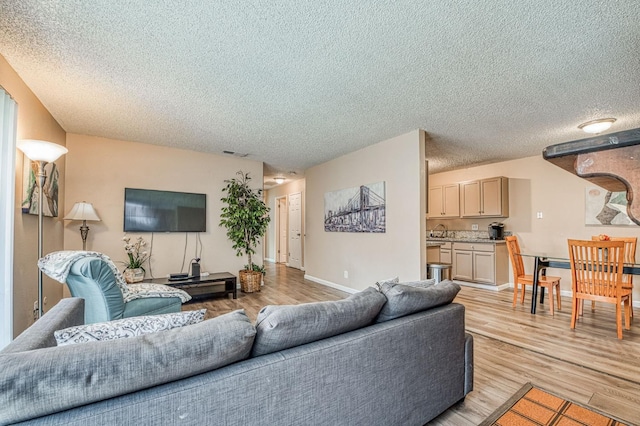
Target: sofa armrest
pixel 66 313
pixel 468 363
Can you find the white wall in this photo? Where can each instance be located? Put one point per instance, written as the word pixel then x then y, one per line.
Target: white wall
pixel 369 257
pixel 98 170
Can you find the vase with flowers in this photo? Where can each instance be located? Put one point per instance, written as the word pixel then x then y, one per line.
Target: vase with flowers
pixel 134 271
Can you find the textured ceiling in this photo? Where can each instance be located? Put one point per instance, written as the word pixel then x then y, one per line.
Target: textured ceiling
pixel 295 83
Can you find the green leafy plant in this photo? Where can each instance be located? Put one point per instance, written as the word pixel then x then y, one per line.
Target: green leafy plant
pixel 245 215
pixel 257 268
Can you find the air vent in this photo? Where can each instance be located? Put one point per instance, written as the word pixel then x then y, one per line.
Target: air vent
pixel 235 154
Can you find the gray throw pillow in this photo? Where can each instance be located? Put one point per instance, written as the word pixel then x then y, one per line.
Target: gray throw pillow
pixel 404 299
pixel 63 377
pixel 127 327
pixel 282 327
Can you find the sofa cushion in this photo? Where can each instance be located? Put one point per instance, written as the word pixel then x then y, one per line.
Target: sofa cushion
pixel 403 299
pixel 128 327
pixel 282 327
pixel 43 381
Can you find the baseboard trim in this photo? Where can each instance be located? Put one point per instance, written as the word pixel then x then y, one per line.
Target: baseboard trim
pixel 331 284
pixel 485 286
pixel 268 259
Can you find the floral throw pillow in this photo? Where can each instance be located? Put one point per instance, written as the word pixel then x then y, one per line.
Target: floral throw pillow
pixel 127 327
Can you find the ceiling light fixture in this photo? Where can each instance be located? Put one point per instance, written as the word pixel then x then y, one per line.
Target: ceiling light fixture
pixel 279 180
pixel 597 126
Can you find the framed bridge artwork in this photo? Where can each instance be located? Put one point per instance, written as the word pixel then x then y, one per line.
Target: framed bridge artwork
pixel 359 209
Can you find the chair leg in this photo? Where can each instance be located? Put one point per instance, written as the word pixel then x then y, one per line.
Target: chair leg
pixel 559 297
pixel 627 313
pixel 516 287
pixel 524 289
pixel 551 299
pixel 619 320
pixel 574 312
pixel 593 306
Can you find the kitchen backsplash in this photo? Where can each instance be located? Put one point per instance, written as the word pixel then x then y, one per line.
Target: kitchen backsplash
pixel 463 234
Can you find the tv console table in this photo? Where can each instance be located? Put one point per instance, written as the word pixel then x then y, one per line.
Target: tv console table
pixel 218 283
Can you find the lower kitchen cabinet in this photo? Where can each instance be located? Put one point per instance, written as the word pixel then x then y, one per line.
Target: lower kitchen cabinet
pixel 484 263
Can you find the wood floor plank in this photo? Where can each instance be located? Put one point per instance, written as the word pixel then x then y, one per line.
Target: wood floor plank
pixel 588 365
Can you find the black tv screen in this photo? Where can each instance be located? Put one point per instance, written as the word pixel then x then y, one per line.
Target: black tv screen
pixel 147 210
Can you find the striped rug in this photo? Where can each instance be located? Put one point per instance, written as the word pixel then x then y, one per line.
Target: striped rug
pixel 531 406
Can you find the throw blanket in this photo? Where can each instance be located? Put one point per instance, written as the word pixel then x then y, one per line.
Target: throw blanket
pixel 57 266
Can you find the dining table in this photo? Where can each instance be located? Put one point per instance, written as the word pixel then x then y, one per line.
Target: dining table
pixel 542 261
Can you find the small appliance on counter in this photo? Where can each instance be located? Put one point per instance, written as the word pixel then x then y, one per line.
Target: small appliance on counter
pixel 496 231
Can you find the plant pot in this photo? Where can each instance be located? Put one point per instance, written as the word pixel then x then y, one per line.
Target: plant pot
pixel 134 275
pixel 250 281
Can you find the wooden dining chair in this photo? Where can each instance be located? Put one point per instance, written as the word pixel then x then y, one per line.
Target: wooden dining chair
pixel 629 257
pixel 596 274
pixel 522 279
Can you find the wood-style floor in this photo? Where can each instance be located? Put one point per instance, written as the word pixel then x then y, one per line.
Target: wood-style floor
pixel 588 365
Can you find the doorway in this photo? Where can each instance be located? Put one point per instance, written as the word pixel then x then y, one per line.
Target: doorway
pixel 281 229
pixel 295 230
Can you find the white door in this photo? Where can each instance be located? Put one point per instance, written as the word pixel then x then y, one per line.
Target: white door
pixel 295 230
pixel 281 255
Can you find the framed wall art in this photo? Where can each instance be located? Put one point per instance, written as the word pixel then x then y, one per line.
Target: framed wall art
pixel 604 207
pixel 30 190
pixel 358 209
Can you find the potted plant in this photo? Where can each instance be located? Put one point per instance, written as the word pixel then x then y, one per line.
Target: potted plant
pixel 134 272
pixel 246 217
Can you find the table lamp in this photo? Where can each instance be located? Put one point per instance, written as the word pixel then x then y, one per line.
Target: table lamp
pixel 42 152
pixel 83 211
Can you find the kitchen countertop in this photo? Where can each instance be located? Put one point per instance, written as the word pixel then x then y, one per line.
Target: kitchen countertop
pixel 439 241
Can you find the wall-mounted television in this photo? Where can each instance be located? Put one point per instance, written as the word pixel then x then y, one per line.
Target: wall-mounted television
pixel 148 210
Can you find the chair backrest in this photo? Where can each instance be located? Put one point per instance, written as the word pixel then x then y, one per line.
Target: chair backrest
pixel 516 261
pixel 94 281
pixel 596 267
pixel 629 251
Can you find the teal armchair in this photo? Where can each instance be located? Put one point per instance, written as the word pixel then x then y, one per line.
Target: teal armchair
pixel 93 280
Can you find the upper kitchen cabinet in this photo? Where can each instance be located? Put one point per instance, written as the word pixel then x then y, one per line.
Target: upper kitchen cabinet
pixel 444 201
pixel 485 198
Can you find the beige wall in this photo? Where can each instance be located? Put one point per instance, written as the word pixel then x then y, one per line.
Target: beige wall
pixel 99 169
pixel 296 186
pixel 369 257
pixel 34 122
pixel 535 185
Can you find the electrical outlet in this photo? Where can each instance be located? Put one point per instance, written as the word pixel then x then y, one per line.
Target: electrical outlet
pixel 44 301
pixel 474 226
pixel 35 306
pixel 539 215
pixel 346 274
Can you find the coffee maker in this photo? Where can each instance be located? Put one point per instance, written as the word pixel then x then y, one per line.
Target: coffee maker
pixel 496 231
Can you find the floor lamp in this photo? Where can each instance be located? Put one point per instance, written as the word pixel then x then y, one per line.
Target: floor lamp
pixel 84 212
pixel 42 152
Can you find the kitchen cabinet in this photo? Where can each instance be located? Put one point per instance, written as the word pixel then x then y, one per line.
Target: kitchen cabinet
pixel 445 253
pixel 485 198
pixel 444 201
pixel 484 263
pixel 433 254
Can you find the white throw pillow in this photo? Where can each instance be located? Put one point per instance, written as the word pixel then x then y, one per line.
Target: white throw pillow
pixel 127 327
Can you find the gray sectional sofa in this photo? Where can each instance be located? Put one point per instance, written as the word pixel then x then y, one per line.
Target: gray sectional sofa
pixel 405 370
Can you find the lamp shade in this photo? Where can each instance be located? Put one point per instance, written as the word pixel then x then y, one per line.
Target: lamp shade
pixel 41 150
pixel 82 211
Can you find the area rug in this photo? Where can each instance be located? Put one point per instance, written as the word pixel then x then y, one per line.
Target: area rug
pixel 533 406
